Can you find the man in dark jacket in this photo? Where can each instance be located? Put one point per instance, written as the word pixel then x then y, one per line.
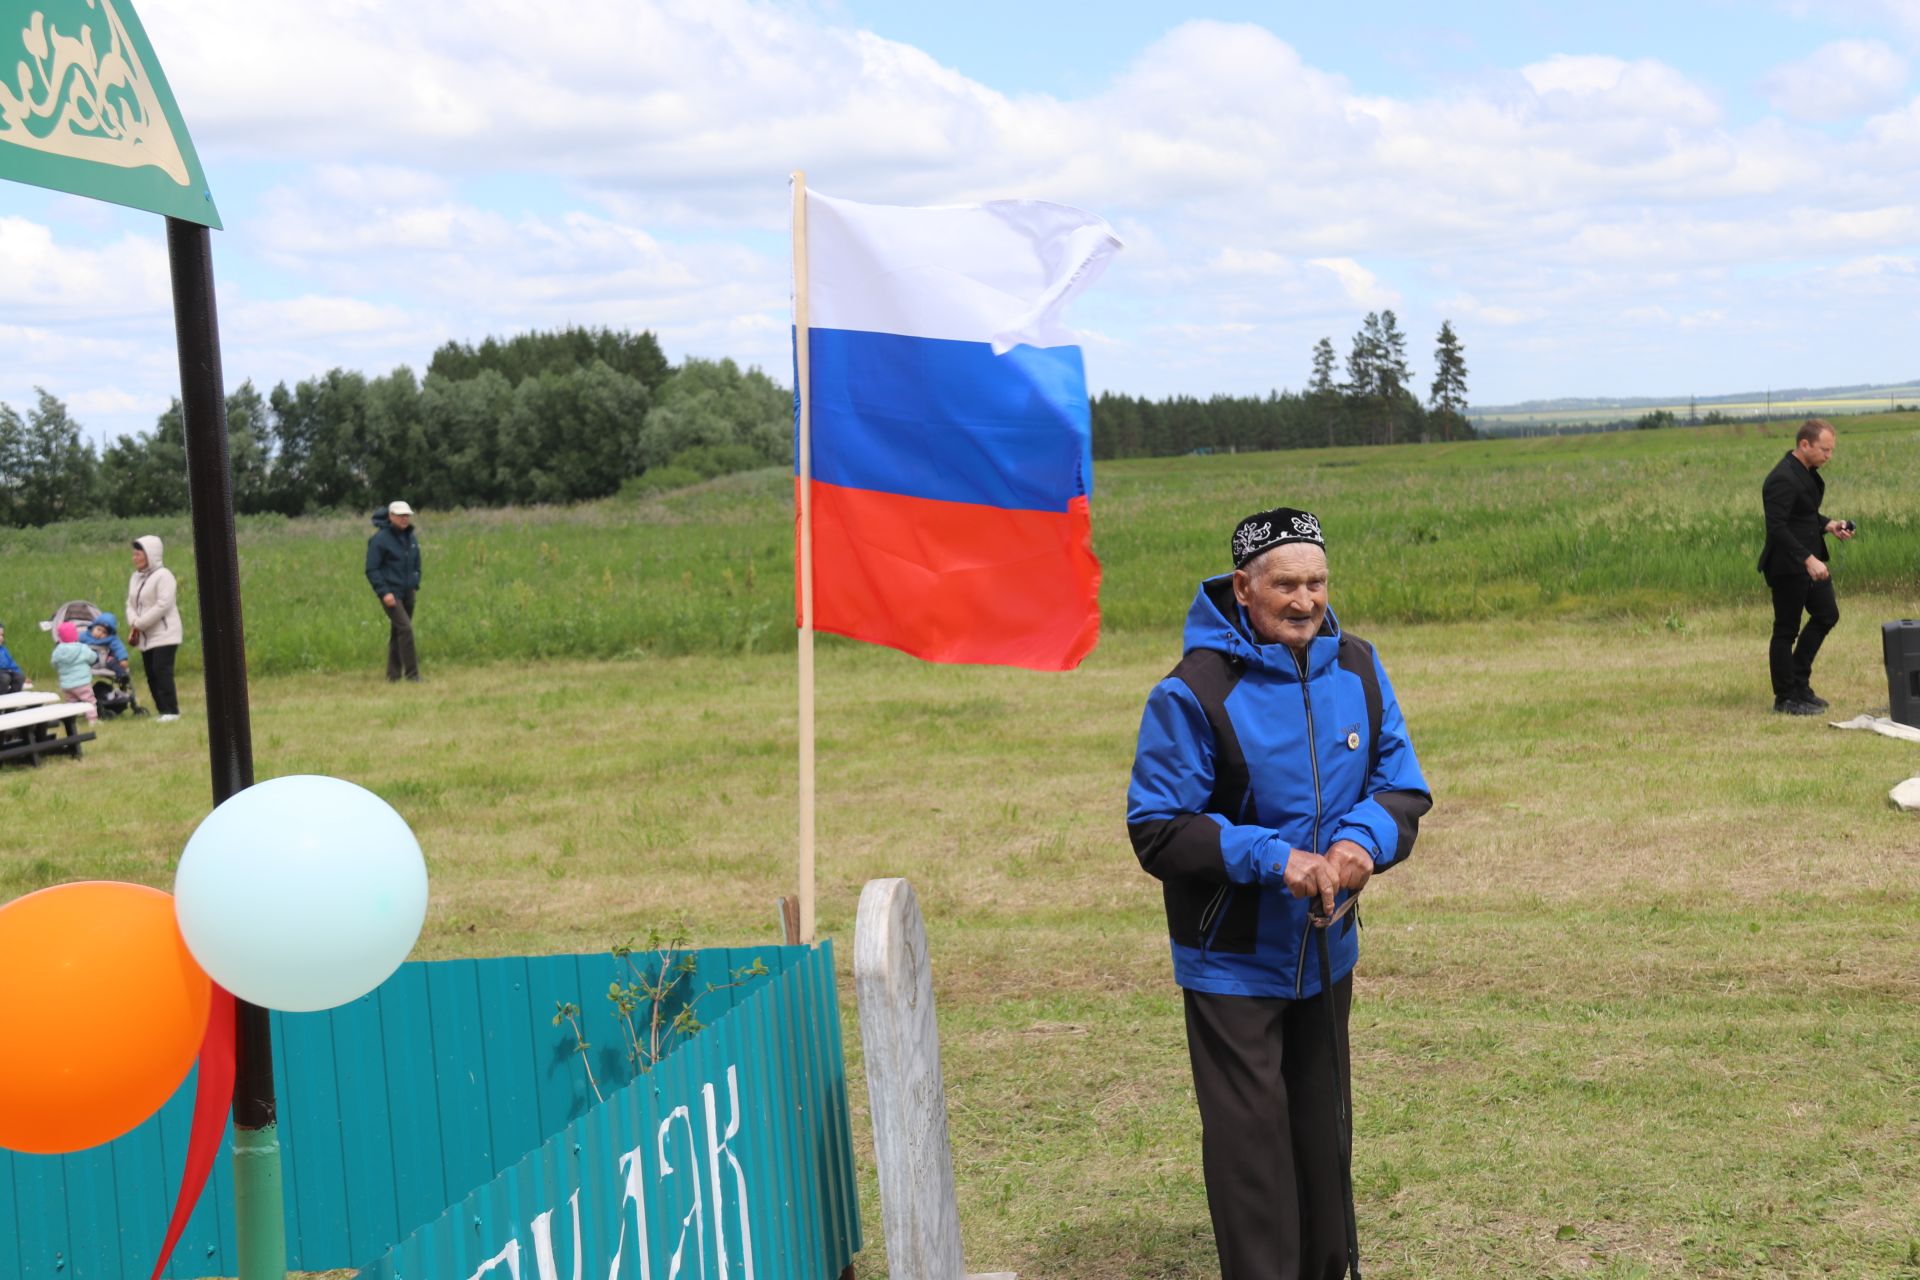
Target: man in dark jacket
pixel 1794 560
pixel 393 570
pixel 1273 776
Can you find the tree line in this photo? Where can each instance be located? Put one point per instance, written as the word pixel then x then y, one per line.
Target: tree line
pixel 536 418
pixel 1373 403
pixel 575 414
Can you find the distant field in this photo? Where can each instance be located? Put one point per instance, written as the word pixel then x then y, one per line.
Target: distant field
pixel 1777 410
pixel 1645 523
pixel 1641 1005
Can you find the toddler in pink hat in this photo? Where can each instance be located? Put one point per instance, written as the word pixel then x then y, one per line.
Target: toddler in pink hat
pixel 73 664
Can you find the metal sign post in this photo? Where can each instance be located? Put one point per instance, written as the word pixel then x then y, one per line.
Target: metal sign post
pixel 259 1210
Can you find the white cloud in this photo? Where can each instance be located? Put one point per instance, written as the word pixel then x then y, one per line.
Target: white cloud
pixel 106 400
pixel 1361 286
pixel 1900 16
pixel 1838 81
pixel 43 279
pixel 1468 306
pixel 316 317
pixel 437 170
pixel 1897 132
pixel 1593 87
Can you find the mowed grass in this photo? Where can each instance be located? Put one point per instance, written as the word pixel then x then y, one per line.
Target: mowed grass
pixel 1641 1005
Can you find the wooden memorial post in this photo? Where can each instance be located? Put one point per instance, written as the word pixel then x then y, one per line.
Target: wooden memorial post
pixel 893 982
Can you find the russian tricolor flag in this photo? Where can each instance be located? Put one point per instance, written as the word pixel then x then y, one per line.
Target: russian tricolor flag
pixel 951 439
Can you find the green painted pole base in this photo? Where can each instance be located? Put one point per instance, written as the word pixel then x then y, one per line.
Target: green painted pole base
pixel 259 1206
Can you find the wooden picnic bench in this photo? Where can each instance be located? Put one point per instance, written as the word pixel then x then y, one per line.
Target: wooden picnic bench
pixel 29 734
pixel 26 698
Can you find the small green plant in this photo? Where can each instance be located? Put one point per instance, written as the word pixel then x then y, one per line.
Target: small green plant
pixel 569 1012
pixel 642 1004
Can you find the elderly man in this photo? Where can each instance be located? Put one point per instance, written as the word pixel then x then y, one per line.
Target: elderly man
pixel 393 571
pixel 1273 776
pixel 1794 559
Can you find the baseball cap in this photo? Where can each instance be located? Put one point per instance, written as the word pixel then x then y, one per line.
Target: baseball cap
pixel 399 509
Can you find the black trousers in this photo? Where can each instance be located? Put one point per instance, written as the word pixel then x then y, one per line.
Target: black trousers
pixel 157 663
pixel 1791 652
pixel 12 681
pixel 401 658
pixel 1270 1139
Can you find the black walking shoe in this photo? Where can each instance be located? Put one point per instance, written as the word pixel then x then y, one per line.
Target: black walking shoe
pixel 1812 699
pixel 1794 707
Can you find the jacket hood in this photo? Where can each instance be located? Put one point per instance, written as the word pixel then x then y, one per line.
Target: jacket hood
pixel 154 549
pixel 107 620
pixel 381 522
pixel 1216 621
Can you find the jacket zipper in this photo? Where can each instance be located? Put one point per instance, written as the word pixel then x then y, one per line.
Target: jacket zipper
pixel 1213 915
pixel 1208 917
pixel 1313 758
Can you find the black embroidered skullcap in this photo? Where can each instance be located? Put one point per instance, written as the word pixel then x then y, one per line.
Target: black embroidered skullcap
pixel 1275 528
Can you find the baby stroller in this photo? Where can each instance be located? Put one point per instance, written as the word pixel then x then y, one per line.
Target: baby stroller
pixel 112 689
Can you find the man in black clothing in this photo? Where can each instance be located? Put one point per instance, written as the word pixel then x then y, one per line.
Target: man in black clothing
pixel 393 571
pixel 1795 562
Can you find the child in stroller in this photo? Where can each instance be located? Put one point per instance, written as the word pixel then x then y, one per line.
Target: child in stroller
pixel 112 678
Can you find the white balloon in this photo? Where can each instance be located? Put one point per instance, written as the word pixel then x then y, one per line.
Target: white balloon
pixel 301 893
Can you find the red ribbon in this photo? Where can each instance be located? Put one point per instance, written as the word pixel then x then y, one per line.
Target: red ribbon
pixel 212 1099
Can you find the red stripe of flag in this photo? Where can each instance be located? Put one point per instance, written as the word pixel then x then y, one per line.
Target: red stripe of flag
pixel 953 581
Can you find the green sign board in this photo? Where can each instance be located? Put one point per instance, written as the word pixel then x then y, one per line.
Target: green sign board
pixel 84 108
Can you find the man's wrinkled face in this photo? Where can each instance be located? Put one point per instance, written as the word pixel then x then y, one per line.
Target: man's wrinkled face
pixel 1815 453
pixel 1284 592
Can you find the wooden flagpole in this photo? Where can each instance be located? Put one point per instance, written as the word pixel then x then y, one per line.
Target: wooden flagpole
pixel 802 389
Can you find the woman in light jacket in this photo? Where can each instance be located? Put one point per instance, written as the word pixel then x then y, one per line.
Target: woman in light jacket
pixel 153 623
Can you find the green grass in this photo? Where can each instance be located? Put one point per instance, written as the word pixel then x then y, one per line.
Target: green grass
pixel 1757 409
pixel 1644 523
pixel 1641 1005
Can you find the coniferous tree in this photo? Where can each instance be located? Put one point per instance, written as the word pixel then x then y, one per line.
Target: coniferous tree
pixel 1449 397
pixel 1321 388
pixel 1363 371
pixel 1391 374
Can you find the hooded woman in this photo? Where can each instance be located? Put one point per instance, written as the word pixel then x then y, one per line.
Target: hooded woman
pixel 153 623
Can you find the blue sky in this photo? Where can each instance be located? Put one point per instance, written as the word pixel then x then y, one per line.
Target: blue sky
pixel 1633 198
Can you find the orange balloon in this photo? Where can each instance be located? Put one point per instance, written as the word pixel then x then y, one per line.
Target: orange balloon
pixel 102 1011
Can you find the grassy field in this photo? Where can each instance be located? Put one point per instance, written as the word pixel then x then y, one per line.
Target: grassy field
pixel 1641 1005
pixel 1776 409
pixel 1646 523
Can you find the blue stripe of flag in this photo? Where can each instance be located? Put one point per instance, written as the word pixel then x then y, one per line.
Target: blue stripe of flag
pixel 950 421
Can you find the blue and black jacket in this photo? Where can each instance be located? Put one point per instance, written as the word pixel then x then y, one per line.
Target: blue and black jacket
pixel 1247 752
pixel 113 645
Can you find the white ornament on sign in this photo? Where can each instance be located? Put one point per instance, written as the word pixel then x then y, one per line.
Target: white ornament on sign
pixel 102 105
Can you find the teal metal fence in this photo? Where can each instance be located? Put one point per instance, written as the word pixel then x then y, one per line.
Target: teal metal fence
pixel 393 1108
pixel 732 1161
